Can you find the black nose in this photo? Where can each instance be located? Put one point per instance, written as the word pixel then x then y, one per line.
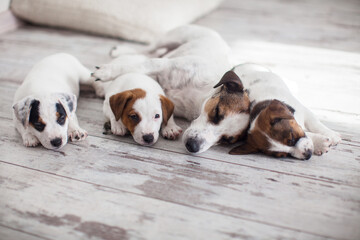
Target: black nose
pixel 56 142
pixel 148 138
pixel 192 145
pixel 308 154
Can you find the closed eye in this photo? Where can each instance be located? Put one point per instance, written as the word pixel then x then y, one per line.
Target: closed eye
pixel 275 121
pixel 217 116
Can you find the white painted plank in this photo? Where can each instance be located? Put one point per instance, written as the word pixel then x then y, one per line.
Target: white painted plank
pixel 10 233
pixel 61 208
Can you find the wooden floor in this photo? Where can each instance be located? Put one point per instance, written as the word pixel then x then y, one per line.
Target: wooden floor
pixel 111 188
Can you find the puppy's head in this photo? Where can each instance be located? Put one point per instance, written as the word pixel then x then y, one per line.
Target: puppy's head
pixel 142 113
pixel 275 132
pixel 46 117
pixel 224 116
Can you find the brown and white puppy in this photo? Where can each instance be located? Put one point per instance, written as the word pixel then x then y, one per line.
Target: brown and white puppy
pixel 280 125
pixel 136 103
pixel 224 116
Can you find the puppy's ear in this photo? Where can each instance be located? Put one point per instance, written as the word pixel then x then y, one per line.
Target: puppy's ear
pixel 69 102
pixel 167 108
pixel 232 82
pixel 22 110
pixel 278 111
pixel 243 149
pixel 118 103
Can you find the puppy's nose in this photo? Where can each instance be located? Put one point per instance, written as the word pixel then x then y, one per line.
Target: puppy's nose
pixel 192 145
pixel 56 142
pixel 148 138
pixel 308 154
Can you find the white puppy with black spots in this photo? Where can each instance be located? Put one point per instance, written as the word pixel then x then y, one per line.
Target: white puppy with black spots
pixel 45 103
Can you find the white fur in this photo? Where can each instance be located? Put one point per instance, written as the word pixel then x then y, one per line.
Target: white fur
pixel 54 79
pixel 187 62
pixel 147 107
pixel 265 85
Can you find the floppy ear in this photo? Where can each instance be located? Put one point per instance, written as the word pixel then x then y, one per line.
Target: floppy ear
pixel 167 108
pixel 22 110
pixel 232 82
pixel 69 102
pixel 279 110
pixel 243 149
pixel 118 103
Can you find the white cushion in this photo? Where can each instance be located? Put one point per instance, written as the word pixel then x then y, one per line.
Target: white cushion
pixel 137 20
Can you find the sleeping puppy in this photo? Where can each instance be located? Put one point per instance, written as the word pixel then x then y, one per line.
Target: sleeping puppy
pixel 188 62
pixel 136 103
pixel 280 125
pixel 45 103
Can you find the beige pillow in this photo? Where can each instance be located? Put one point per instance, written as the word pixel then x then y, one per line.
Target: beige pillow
pixel 137 20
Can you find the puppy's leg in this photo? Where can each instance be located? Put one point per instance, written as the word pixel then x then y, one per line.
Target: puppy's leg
pixel 128 64
pixel 312 124
pixel 171 130
pixel 321 143
pixel 29 140
pixel 119 50
pixel 117 127
pixel 75 132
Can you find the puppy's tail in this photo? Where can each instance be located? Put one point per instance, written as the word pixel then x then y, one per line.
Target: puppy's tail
pixel 122 50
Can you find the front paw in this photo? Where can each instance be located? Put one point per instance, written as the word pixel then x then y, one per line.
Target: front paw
pixel 321 144
pixel 118 129
pixel 77 135
pixel 102 73
pixel 171 132
pixel 30 140
pixel 335 138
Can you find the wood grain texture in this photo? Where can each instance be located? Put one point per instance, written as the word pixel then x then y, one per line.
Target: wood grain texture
pixel 108 187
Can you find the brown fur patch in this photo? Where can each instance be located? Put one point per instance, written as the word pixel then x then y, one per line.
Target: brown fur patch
pixel 122 106
pixel 276 121
pixel 223 104
pixel 167 108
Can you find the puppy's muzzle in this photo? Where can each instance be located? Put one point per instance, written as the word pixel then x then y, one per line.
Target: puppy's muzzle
pixel 192 145
pixel 307 154
pixel 56 142
pixel 148 138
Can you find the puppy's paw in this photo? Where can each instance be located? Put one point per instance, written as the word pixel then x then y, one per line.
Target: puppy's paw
pixel 321 144
pixel 118 129
pixel 30 140
pixel 99 89
pixel 77 135
pixel 102 73
pixel 335 138
pixel 171 132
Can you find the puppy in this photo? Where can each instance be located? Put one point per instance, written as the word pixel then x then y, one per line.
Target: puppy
pixel 137 104
pixel 280 125
pixel 45 103
pixel 188 62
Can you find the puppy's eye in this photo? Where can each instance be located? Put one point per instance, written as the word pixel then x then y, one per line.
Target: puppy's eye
pixel 275 121
pixel 292 141
pixel 157 115
pixel 61 120
pixel 134 117
pixel 39 126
